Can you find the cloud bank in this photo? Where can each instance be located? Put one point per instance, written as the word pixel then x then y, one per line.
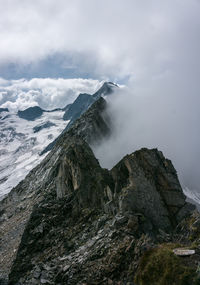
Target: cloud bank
pixel 169 123
pixel 48 93
pixel 151 46
pixel 117 39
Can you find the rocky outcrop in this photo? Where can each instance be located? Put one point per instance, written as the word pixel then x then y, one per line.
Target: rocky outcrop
pixel 16 208
pixel 72 222
pixel 92 126
pixel 150 186
pixel 88 217
pixel 31 113
pixel 84 101
pixel 45 125
pixel 4 110
pixel 106 89
pixel 80 106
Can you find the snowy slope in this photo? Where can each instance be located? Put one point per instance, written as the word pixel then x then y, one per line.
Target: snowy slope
pixel 21 141
pixel 28 133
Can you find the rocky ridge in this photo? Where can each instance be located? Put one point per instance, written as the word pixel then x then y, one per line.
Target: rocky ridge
pixel 16 208
pixel 72 222
pixel 26 136
pixel 80 106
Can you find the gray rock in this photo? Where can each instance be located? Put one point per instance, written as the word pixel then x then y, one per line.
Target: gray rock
pixel 74 222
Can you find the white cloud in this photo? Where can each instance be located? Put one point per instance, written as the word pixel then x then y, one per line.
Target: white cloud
pixel 155 44
pixel 169 123
pixel 48 93
pixel 110 38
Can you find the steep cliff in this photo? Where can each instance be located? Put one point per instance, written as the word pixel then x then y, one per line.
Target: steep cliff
pixel 16 208
pixel 72 222
pixel 80 106
pixel 89 218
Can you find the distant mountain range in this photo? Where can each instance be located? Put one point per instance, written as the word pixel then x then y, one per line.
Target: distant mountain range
pixel 26 136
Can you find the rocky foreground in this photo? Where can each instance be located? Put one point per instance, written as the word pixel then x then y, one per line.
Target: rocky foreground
pixel 72 222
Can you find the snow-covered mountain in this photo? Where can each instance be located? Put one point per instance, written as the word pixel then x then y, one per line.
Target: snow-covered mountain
pixel 28 135
pixel 21 142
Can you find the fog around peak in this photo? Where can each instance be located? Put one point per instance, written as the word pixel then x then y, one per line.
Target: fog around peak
pixel 62 48
pixel 169 122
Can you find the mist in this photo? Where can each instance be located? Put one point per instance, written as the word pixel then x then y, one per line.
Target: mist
pixel 167 120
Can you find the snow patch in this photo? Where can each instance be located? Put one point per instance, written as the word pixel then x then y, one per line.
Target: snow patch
pixel 20 146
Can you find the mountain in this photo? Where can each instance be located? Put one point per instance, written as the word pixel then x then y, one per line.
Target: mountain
pixel 80 106
pixel 21 142
pixel 84 101
pixel 72 222
pixel 4 110
pixel 106 89
pixel 31 113
pixel 26 136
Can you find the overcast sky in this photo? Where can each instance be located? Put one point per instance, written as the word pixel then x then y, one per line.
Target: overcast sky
pixel 151 46
pixel 98 39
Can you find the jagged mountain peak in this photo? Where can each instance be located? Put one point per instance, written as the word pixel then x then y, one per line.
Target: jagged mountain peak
pixel 82 103
pixel 92 126
pixel 80 210
pixel 106 89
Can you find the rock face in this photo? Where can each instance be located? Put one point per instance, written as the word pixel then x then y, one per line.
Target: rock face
pixel 150 186
pixel 4 110
pixel 31 113
pixel 72 222
pixel 92 126
pixel 79 230
pixel 80 106
pixel 45 125
pixel 106 89
pixel 16 208
pixel 82 102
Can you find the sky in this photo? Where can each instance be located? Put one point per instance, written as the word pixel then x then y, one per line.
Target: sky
pixel 51 50
pixel 154 121
pixel 98 39
pixel 152 46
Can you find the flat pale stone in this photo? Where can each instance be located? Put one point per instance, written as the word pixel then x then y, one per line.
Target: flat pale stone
pixel 183 251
